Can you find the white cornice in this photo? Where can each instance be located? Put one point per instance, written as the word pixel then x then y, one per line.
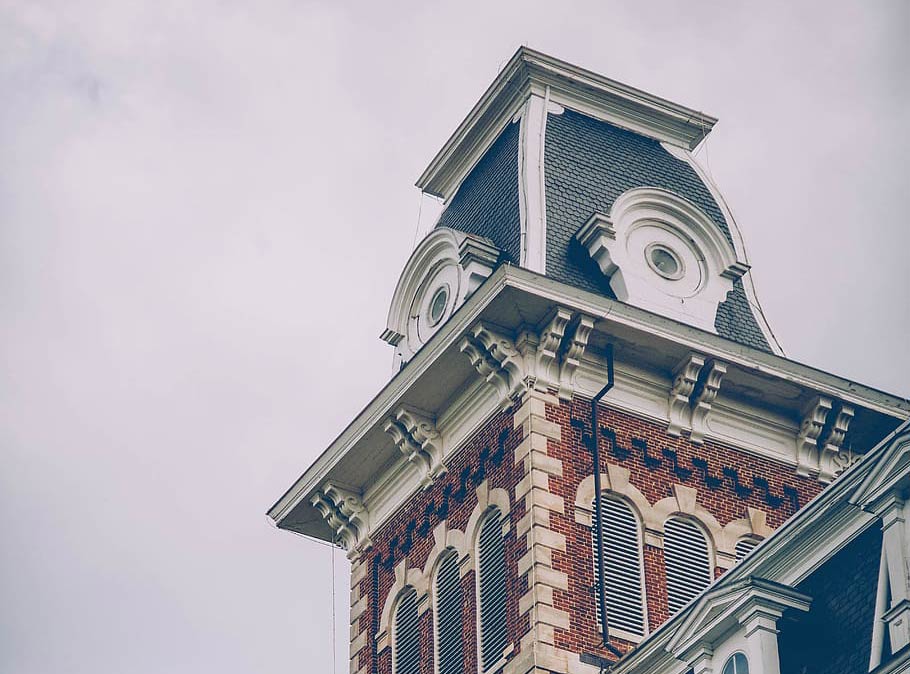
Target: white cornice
pixel 597 96
pixel 496 301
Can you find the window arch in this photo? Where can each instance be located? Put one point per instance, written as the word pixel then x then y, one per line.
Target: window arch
pixel 449 622
pixel 744 546
pixel 736 664
pixel 406 638
pixel 622 554
pixel 687 561
pixel 491 589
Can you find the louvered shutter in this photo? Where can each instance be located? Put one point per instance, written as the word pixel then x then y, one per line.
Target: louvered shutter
pixel 744 546
pixel 622 568
pixel 492 590
pixel 449 641
pixel 407 634
pixel 687 562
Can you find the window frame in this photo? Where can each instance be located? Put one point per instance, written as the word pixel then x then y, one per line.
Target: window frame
pixel 619 632
pixel 493 512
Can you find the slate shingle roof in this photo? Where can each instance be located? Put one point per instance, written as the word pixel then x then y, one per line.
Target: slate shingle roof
pixel 588 164
pixel 487 201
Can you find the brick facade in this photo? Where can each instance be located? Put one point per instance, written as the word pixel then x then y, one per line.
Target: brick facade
pixel 835 636
pixel 538 455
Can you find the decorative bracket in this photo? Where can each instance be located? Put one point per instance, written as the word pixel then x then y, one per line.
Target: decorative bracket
pixel 834 457
pixel 478 259
pixel 416 436
pixel 685 379
pixel 346 515
pixel 807 452
pixel 595 235
pixel 572 351
pixel 549 347
pixel 558 351
pixel 497 360
pixel 705 392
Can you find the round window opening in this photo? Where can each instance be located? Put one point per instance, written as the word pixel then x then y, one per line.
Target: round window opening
pixel 737 664
pixel 438 304
pixel 664 261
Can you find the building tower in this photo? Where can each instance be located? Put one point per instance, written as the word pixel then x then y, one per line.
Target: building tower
pixel 587 391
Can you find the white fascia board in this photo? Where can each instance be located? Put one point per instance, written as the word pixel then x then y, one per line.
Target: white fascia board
pixel 378 408
pixel 606 310
pixel 530 71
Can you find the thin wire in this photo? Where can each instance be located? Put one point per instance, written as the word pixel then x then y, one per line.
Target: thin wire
pixel 334 650
pixel 704 135
pixel 419 213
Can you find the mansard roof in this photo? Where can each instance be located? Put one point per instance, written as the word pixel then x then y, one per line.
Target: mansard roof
pixel 597 139
pixel 532 71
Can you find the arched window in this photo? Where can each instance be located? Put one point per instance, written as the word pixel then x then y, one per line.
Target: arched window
pixel 491 589
pixel 736 664
pixel 744 546
pixel 449 640
pixel 622 567
pixel 687 561
pixel 406 642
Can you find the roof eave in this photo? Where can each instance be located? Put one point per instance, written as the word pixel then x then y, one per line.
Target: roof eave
pixel 609 310
pixel 574 87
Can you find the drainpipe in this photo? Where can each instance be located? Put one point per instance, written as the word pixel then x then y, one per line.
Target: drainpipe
pixel 598 505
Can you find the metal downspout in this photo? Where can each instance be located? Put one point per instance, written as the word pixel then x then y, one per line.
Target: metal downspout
pixel 598 505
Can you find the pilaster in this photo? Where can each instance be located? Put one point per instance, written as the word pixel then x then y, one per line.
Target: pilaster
pixel 538 651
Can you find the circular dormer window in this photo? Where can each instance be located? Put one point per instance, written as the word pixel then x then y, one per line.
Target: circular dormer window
pixel 665 262
pixel 438 304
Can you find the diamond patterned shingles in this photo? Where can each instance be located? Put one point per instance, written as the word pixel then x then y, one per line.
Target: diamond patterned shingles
pixel 588 164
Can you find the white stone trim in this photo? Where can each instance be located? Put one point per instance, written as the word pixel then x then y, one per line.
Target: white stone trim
pixel 486 498
pixel 445 258
pixel 646 216
pixel 405 576
pixel 532 184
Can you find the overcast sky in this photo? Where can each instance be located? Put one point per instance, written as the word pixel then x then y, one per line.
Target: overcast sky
pixel 204 209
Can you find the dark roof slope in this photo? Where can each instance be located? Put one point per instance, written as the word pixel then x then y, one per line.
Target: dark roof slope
pixel 588 164
pixel 487 201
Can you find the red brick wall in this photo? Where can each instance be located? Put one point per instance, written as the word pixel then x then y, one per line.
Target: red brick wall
pixel 480 450
pixel 654 481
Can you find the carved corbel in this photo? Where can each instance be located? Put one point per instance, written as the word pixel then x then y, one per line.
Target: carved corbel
pixel 478 258
pixel 573 349
pixel 548 349
pixel 597 235
pixel 684 381
pixel 834 457
pixel 497 360
pixel 807 452
pixel 416 436
pixel 705 392
pixel 346 515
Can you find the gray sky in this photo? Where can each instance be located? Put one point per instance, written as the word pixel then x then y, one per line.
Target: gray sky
pixel 204 208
